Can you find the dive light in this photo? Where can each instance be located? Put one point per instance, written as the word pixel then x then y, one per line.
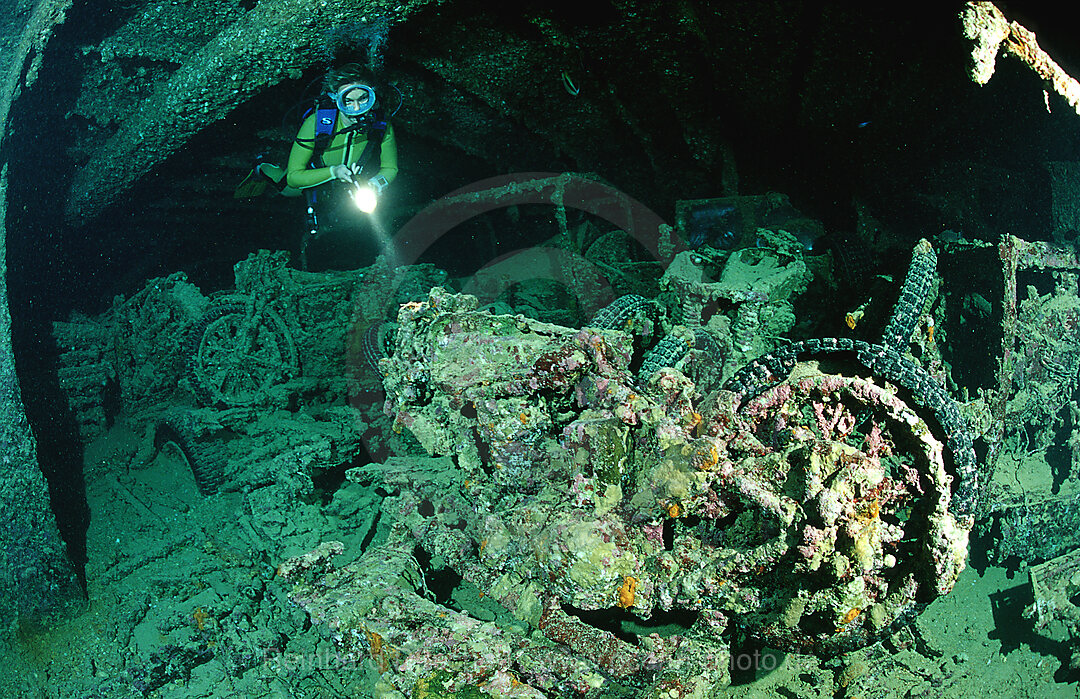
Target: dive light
pixel 365 198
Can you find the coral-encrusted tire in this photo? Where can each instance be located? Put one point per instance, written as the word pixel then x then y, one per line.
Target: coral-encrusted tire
pixel 852 485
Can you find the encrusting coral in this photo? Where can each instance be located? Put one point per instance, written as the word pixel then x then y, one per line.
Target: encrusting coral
pixel 814 510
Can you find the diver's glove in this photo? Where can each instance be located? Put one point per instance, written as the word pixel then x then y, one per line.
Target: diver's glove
pixel 343 173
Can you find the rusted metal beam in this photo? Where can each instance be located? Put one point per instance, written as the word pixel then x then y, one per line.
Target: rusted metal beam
pixel 989 29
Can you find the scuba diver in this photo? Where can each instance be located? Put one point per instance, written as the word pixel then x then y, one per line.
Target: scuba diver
pixel 346 137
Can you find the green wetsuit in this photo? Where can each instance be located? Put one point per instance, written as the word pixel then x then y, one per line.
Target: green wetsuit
pixel 343 149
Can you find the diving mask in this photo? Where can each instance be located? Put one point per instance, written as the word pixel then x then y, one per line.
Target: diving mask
pixel 354 99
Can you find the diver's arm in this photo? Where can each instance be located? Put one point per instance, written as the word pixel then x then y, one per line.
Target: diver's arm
pixel 298 175
pixel 388 156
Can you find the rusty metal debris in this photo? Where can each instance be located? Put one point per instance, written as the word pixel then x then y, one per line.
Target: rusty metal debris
pixel 990 30
pixel 671 459
pixel 1056 585
pixel 1034 406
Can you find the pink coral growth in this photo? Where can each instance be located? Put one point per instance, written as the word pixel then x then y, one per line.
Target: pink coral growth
pixel 764 404
pixel 875 443
pixel 654 532
pixel 811 541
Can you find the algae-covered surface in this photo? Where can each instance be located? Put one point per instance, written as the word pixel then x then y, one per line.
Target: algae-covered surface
pixel 491 505
pixel 184 602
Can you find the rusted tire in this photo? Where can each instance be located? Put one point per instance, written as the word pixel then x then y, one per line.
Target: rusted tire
pixel 205 458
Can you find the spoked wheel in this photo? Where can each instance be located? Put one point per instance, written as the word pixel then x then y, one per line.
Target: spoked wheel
pixel 239 354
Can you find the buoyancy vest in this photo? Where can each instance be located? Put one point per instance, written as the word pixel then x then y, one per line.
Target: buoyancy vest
pixel 373 123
